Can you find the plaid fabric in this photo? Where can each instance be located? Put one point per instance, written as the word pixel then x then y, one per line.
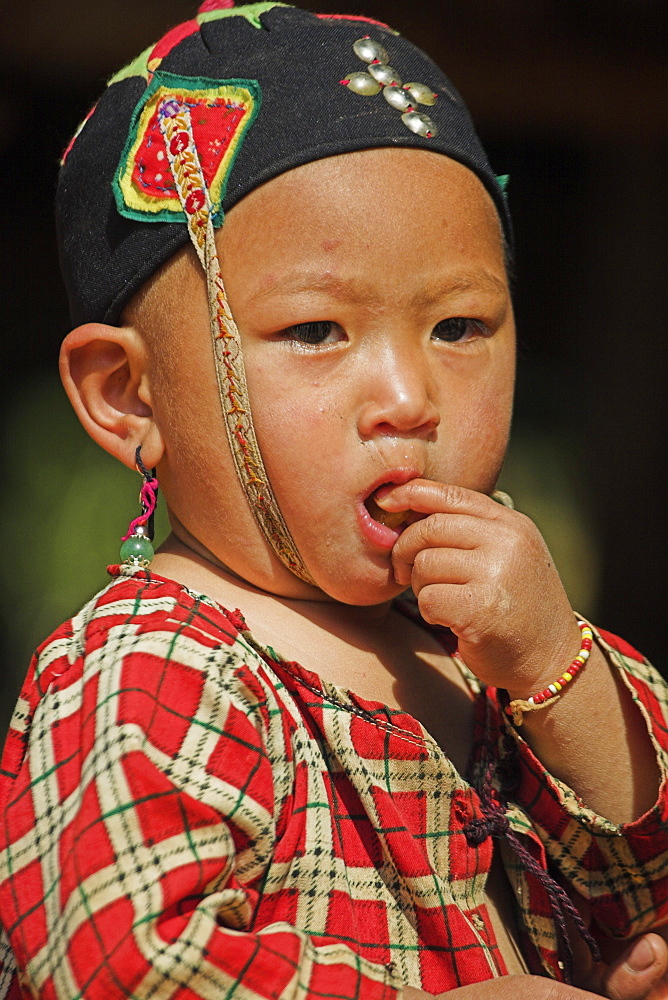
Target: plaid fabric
pixel 183 815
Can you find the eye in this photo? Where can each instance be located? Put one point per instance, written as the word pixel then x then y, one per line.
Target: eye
pixel 317 333
pixel 459 329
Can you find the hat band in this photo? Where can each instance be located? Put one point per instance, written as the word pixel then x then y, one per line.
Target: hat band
pixel 191 187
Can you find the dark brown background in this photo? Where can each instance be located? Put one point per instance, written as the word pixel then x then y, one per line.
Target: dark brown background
pixel 570 98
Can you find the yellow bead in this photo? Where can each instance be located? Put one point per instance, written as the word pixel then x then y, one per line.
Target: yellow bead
pixel 362 83
pixel 579 659
pixel 568 677
pixel 558 685
pixel 421 93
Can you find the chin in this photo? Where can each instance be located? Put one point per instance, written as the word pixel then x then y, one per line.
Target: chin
pixel 366 589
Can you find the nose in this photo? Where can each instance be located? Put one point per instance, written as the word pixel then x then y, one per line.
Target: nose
pixel 398 392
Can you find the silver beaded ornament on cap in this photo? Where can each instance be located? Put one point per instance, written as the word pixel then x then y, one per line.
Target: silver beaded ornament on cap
pixel 403 97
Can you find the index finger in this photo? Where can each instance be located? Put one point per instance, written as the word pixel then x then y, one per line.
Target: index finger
pixel 425 496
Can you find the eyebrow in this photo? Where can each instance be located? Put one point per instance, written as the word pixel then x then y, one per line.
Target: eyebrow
pixel 352 289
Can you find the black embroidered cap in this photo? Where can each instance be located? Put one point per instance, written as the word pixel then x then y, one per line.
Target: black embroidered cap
pixel 269 87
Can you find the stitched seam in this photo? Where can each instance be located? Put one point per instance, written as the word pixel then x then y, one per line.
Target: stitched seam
pixel 383 725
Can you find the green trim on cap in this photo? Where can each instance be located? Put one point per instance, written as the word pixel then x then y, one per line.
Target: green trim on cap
pixel 138 67
pixel 502 181
pixel 251 11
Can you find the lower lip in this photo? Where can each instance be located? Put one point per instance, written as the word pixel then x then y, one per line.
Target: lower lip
pixel 378 534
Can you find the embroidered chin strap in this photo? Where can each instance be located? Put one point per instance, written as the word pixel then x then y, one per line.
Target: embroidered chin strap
pixel 191 186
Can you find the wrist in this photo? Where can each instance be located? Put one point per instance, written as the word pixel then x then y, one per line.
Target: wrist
pixel 546 694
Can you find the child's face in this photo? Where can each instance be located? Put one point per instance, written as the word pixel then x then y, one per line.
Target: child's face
pixel 351 280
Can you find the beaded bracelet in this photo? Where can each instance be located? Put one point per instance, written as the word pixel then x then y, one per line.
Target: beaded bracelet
pixel 549 695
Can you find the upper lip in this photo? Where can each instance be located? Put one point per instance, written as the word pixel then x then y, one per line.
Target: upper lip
pixel 394 477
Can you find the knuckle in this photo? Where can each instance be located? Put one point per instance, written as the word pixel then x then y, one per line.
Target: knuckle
pixel 432 528
pixel 424 530
pixel 454 495
pixel 423 562
pixel 429 605
pixel 527 531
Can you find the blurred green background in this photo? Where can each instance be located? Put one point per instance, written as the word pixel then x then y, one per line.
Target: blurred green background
pixel 570 99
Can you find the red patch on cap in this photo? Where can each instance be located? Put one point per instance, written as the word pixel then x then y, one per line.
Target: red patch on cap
pixel 213 124
pixel 219 117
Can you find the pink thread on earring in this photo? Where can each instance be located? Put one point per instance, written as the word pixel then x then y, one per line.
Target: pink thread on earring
pixel 148 498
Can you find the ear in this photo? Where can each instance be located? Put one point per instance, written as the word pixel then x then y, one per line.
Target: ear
pixel 105 374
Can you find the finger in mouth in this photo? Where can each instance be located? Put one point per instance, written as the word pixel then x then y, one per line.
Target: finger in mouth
pixel 390 518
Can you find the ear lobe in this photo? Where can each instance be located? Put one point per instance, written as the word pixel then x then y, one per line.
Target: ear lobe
pixel 104 372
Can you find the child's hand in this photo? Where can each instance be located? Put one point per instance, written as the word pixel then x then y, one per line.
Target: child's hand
pixel 632 976
pixel 485 572
pixel 520 988
pixel 639 973
pixel 508 988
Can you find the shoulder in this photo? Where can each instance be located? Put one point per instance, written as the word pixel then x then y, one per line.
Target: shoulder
pixel 139 618
pixel 154 652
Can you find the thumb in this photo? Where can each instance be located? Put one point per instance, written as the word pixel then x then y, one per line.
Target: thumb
pixel 638 970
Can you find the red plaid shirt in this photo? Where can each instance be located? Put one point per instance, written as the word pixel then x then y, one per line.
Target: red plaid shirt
pixel 184 815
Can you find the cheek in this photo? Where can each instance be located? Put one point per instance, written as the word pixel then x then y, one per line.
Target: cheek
pixel 299 419
pixel 489 427
pixel 477 424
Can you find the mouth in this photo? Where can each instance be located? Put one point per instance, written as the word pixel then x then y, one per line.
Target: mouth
pixel 393 522
pixel 395 519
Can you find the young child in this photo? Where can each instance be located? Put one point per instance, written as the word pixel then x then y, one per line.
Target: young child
pixel 286 255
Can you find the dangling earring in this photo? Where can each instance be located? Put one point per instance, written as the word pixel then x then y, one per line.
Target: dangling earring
pixel 136 549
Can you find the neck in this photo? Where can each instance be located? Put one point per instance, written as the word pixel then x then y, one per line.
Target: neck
pixel 183 558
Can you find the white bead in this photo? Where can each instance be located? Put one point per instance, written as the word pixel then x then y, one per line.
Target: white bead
pixel 420 124
pixel 397 97
pixel 368 50
pixel 384 74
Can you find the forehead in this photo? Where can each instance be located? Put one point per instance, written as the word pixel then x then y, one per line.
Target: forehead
pixel 386 177
pixel 391 205
pixel 402 210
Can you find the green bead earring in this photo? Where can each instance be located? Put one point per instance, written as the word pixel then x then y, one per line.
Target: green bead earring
pixel 137 549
